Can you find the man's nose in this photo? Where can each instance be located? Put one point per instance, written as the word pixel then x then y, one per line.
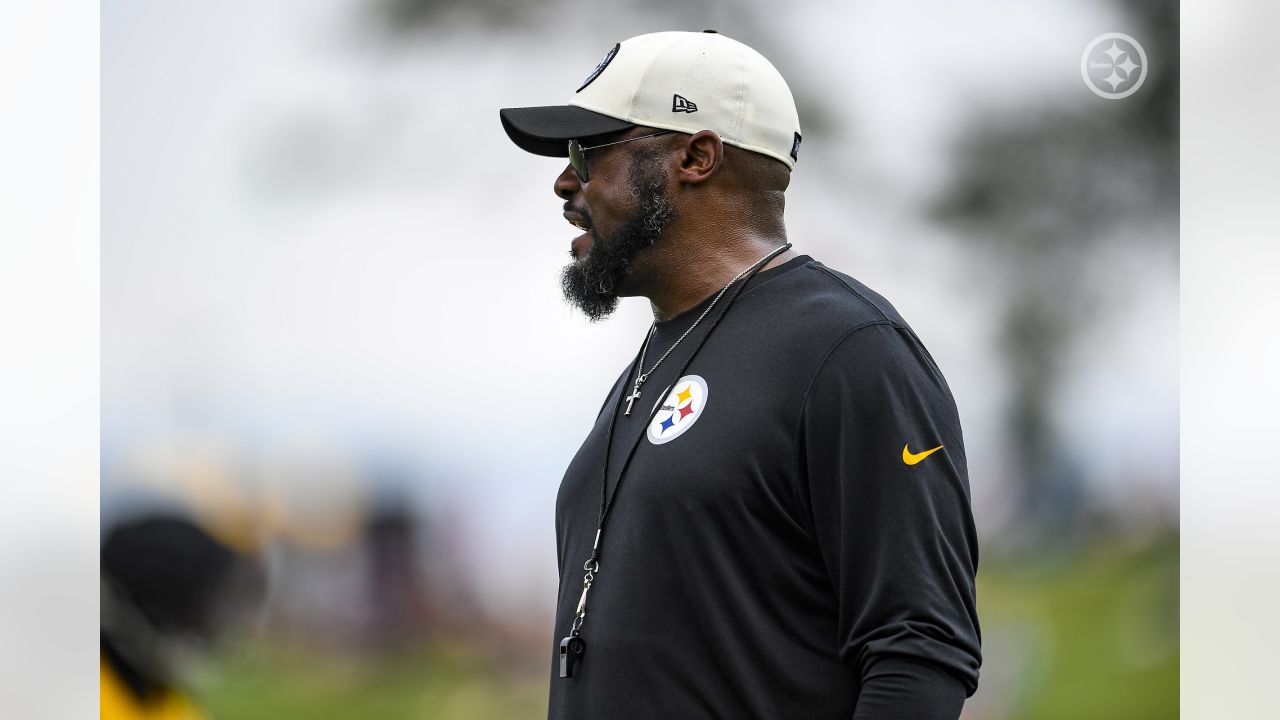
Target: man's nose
pixel 567 183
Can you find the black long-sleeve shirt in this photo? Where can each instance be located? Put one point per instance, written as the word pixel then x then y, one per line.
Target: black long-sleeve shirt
pixel 794 536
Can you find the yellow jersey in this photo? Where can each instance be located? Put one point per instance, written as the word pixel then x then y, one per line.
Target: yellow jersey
pixel 117 702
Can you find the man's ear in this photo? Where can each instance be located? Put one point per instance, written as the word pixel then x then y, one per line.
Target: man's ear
pixel 703 154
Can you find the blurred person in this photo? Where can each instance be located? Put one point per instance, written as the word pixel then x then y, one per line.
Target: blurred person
pixel 169 590
pixel 398 607
pixel 773 505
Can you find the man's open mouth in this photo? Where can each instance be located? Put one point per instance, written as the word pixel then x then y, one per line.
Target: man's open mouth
pixel 578 221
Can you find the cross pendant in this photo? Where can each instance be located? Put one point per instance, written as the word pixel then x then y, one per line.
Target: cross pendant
pixel 635 393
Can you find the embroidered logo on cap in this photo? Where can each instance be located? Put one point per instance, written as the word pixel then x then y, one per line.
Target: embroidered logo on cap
pixel 680 409
pixel 795 148
pixel 608 58
pixel 680 104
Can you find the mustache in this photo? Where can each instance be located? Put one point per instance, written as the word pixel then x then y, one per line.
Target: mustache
pixel 582 211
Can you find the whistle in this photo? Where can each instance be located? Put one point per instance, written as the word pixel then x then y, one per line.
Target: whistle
pixel 571 649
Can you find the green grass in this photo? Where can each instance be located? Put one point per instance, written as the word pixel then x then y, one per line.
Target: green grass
pixel 1086 636
pixel 1092 636
pixel 272 685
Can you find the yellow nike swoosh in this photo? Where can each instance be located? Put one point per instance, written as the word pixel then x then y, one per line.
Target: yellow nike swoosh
pixel 911 458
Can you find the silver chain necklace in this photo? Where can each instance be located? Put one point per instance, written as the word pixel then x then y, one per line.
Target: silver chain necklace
pixel 642 376
pixel 573 646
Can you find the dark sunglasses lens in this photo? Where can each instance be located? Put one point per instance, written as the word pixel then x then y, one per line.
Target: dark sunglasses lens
pixel 576 159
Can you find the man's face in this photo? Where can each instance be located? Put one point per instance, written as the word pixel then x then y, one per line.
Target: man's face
pixel 625 208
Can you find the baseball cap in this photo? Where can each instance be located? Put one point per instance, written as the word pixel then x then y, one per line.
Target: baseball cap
pixel 681 81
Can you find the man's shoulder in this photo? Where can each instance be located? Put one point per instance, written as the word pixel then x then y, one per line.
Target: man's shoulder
pixel 852 330
pixel 827 302
pixel 799 319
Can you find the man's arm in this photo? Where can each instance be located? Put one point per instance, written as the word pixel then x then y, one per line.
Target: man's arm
pixel 892 520
pixel 899 686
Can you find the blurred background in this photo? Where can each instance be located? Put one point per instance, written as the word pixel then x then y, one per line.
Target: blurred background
pixel 330 306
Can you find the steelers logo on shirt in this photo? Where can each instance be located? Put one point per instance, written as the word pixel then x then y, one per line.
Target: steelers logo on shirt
pixel 681 408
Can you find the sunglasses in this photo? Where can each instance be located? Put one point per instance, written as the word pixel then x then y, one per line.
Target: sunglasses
pixel 578 158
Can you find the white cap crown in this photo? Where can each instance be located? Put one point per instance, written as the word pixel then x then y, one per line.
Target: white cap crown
pixel 689 82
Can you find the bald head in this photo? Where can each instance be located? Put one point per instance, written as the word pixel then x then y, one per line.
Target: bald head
pixel 754 172
pixel 760 179
pixel 714 176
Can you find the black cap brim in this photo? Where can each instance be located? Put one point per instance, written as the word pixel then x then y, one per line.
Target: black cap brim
pixel 547 130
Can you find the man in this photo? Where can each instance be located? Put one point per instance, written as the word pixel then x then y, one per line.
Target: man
pixel 169 590
pixel 771 516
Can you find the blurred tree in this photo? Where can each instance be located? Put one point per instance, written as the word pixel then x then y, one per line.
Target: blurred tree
pixel 1039 196
pixel 406 17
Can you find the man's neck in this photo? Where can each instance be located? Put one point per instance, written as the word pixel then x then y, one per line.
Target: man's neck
pixel 699 275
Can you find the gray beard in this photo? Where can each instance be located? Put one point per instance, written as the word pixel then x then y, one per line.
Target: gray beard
pixel 591 284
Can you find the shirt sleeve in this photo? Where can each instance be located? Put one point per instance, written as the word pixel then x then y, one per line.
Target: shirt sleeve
pixel 881 474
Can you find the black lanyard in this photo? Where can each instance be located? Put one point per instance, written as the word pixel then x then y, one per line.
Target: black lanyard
pixel 572 646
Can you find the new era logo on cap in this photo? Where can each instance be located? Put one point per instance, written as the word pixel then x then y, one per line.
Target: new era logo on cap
pixel 679 104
